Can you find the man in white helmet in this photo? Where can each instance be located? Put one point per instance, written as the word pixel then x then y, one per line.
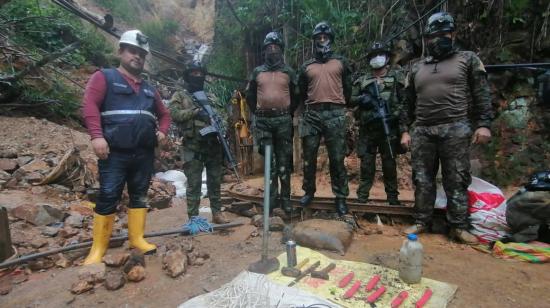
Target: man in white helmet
pixel 126 119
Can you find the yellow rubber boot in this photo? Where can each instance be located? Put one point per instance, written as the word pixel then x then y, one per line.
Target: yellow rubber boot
pixel 103 226
pixel 136 229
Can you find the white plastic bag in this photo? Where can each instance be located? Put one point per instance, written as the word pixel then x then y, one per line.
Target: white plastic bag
pixel 487 208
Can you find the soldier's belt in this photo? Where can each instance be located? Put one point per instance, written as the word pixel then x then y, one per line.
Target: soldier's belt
pixel 325 106
pixel 271 112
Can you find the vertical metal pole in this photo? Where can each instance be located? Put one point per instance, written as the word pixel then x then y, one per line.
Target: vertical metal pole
pixel 267 194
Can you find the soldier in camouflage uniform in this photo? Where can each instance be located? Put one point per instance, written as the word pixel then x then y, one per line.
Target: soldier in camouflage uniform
pixel 325 88
pixel 272 97
pixel 198 152
pixel 449 101
pixel 372 138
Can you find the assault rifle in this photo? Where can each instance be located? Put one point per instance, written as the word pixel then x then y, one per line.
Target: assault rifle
pixel 383 110
pixel 216 127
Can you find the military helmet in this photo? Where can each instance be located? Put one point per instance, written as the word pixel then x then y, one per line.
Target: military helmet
pixel 539 181
pixel 378 48
pixel 273 38
pixel 195 65
pixel 323 27
pixel 440 22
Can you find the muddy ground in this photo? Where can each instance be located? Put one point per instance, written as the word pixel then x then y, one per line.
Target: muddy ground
pixel 483 281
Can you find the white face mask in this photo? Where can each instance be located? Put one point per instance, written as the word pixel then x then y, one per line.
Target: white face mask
pixel 378 61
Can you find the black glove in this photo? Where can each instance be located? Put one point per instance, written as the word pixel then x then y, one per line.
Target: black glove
pixel 201 114
pixel 366 101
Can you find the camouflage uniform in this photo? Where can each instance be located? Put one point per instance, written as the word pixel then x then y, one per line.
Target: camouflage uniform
pixel 198 152
pixel 446 100
pixel 325 119
pixel 372 138
pixel 274 125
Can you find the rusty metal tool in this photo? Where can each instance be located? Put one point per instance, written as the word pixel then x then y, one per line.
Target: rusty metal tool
pixel 294 271
pixel 399 299
pixel 424 298
pixel 305 273
pixel 323 274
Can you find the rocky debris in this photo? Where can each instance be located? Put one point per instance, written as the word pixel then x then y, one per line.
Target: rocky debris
pixel 84 208
pixel 136 274
pixel 38 243
pixel 62 262
pixel 114 280
pixel 39 214
pixel 116 260
pixel 8 165
pixel 160 193
pixel 197 258
pixel 4 176
pixel 175 263
pixel 33 177
pixel 276 223
pixel 8 152
pixel 81 286
pixel 93 273
pixel 75 220
pixel 67 232
pixel 50 231
pixel 23 160
pixel 136 258
pixel 41 264
pixel 35 166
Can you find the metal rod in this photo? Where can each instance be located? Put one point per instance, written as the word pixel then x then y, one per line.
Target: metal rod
pixel 30 257
pixel 267 195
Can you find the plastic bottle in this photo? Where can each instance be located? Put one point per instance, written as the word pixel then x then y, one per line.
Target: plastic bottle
pixel 410 260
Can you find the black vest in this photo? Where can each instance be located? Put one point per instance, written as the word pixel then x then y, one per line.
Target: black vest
pixel 128 118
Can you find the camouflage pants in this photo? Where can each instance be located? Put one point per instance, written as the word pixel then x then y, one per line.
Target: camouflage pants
pixel 450 145
pixel 210 156
pixel 278 131
pixel 369 143
pixel 330 124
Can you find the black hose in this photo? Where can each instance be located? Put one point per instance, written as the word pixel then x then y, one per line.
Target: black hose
pixel 27 258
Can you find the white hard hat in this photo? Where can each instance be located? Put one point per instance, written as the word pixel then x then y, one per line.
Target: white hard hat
pixel 135 38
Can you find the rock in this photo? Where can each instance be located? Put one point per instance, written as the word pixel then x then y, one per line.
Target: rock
pixel 33 177
pixel 11 183
pixel 75 220
pixel 8 165
pixel 39 214
pixel 35 166
pixel 81 286
pixel 93 273
pixel 276 223
pixel 257 220
pixel 41 264
pixel 38 243
pixel 85 208
pixel 4 176
pixel 114 280
pixel 136 258
pixel 37 190
pixel 175 263
pixel 160 202
pixel 198 262
pixel 136 274
pixel 8 153
pixel 67 232
pixel 160 193
pixel 117 259
pixel 323 234
pixel 62 261
pixel 23 160
pixel 50 231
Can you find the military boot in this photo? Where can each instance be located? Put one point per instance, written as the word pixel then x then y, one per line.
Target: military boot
pixel 463 236
pixel 286 206
pixel 341 207
pixel 416 229
pixel 394 201
pixel 219 219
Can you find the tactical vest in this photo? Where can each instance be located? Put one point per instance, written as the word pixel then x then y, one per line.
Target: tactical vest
pixel 128 118
pixel 191 129
pixel 388 92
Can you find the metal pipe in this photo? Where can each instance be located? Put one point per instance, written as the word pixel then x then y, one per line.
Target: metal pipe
pixel 113 239
pixel 267 195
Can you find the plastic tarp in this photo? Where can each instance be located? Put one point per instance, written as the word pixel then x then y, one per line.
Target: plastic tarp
pixel 487 208
pixel 249 290
pixel 442 292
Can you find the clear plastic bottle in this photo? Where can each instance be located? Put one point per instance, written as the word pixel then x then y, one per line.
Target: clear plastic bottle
pixel 410 260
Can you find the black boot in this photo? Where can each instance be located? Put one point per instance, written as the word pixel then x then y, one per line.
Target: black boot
pixel 393 201
pixel 287 207
pixel 306 200
pixel 341 207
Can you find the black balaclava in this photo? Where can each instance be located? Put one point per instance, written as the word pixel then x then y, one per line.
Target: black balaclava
pixel 273 58
pixel 195 83
pixel 440 47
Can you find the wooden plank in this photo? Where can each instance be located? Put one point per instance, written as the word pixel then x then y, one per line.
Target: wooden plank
pixel 6 249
